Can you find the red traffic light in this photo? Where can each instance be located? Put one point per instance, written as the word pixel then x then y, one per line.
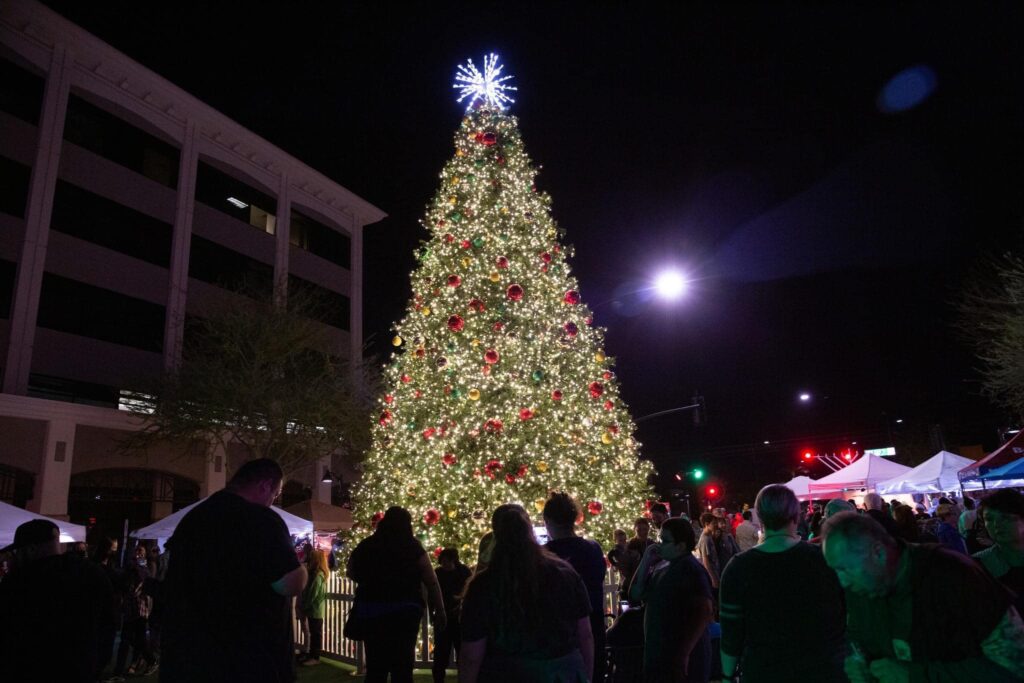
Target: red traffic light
pixel 712 491
pixel 808 456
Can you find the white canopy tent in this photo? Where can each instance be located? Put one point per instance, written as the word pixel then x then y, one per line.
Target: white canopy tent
pixel 12 517
pixel 863 473
pixel 164 528
pixel 800 486
pixel 937 474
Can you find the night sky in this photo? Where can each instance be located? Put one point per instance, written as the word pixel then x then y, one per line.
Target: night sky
pixel 827 230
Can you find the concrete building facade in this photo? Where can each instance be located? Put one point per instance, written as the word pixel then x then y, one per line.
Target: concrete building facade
pixel 127 206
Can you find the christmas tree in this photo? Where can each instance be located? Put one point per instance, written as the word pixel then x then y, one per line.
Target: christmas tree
pixel 499 389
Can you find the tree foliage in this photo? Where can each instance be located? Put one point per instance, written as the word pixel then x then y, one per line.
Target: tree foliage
pixel 992 318
pixel 263 376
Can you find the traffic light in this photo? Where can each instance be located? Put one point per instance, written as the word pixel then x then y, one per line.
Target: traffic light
pixel 712 492
pixel 698 473
pixel 808 456
pixel 848 456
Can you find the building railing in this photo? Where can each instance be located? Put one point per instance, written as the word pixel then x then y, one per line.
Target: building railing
pixel 341 595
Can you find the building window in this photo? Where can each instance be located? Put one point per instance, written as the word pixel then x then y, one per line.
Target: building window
pixel 71 391
pixel 328 307
pixel 226 268
pixel 22 92
pixel 74 307
pixel 14 179
pixel 226 194
pixel 112 138
pixel 316 238
pixel 99 220
pixel 7 273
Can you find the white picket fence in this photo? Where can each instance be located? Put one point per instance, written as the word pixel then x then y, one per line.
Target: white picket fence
pixel 340 596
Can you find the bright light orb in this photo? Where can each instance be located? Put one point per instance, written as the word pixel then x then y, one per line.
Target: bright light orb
pixel 805 397
pixel 488 88
pixel 670 285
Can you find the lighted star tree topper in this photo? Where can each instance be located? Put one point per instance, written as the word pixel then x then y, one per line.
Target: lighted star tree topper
pixel 499 389
pixel 488 88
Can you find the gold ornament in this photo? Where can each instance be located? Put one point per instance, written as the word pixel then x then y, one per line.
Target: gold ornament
pixel 455 180
pixel 466 261
pixel 459 153
pixel 504 210
pixel 397 341
pixel 474 394
pixel 453 200
pixel 495 277
pixel 592 460
pixel 475 342
pixel 452 513
pixel 599 356
pixel 606 438
pixel 539 504
pixel 425 310
pixel 542 467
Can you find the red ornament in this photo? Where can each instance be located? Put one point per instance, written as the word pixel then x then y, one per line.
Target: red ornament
pixel 571 329
pixel 492 465
pixel 514 292
pixel 510 478
pixel 465 244
pixel 502 262
pixel 613 428
pixel 431 517
pixel 489 139
pixel 497 326
pixel 491 357
pixel 571 297
pixel 494 426
pixel 477 305
pixel 454 280
pixel 588 320
pixel 448 237
pixel 476 473
pixel 556 395
pixel 437 552
pixel 377 516
pixel 525 414
pixel 607 375
pixel 420 353
pixel 486 370
pixel 417 394
pixel 448 459
pixel 557 249
pixel 385 417
pixel 428 433
pixel 406 379
pixel 545 257
pixel 456 323
pixel 608 405
pixel 500 160
pixel 521 472
pixel 389 399
pixel 594 507
pixel 596 389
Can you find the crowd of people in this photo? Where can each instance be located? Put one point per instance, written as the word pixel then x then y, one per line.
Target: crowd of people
pixel 882 592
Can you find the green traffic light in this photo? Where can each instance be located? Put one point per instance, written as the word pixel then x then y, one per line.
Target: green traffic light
pixel 698 474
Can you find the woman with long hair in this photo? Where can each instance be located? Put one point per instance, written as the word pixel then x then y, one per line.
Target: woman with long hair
pixel 390 569
pixel 526 617
pixel 313 598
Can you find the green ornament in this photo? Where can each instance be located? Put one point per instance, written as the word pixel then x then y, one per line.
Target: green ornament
pixel 455 216
pixel 501 307
pixel 538 375
pixel 504 237
pixel 478 242
pixel 471 177
pixel 479 163
pixel 411 425
pixel 450 346
pixel 456 393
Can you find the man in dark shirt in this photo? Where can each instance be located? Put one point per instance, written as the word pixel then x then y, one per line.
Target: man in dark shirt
pixel 232 571
pixel 635 548
pixel 677 608
pixel 55 611
pixel 451 576
pixel 586 557
pixel 920 612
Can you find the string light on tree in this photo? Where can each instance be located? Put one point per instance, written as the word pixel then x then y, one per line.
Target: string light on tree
pixel 505 391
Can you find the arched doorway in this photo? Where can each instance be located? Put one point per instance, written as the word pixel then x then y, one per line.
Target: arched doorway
pixel 103 499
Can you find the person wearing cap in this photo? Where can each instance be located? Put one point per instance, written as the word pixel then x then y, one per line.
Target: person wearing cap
pixel 55 610
pixel 947 532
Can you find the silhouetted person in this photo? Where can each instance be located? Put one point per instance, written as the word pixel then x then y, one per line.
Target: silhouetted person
pixel 231 575
pixel 55 611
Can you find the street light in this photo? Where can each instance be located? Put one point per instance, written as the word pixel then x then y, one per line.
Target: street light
pixel 670 284
pixel 805 397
